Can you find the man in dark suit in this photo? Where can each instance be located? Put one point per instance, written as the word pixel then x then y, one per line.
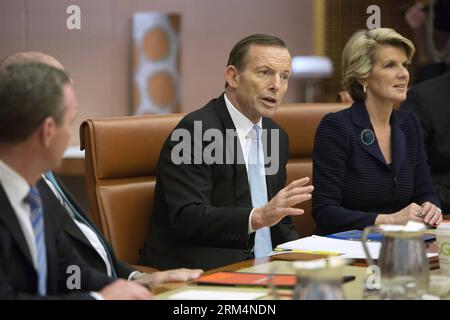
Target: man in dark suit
pixel 77 226
pixel 430 100
pixel 79 230
pixel 37 109
pixel 215 203
pixel 93 247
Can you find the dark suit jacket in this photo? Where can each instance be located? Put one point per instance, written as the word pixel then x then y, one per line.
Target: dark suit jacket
pixel 76 236
pixel 352 181
pixel 18 277
pixel 201 211
pixel 430 100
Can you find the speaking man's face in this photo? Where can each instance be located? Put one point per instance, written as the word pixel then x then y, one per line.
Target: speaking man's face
pixel 262 81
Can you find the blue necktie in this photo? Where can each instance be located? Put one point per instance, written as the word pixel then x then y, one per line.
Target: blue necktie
pixel 73 212
pixel 258 190
pixel 33 199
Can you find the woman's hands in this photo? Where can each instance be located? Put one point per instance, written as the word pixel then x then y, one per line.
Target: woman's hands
pixel 426 213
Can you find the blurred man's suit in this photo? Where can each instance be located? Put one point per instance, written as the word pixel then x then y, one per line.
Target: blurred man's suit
pixel 430 100
pixel 18 276
pixel 78 238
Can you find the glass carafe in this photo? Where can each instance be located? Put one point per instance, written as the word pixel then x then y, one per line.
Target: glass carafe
pixel 319 279
pixel 402 262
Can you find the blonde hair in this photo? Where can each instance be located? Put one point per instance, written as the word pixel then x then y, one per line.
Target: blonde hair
pixel 358 56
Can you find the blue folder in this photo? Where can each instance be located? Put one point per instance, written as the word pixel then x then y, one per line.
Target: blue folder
pixel 356 235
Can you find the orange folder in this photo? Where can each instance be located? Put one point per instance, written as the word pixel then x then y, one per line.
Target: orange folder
pixel 228 278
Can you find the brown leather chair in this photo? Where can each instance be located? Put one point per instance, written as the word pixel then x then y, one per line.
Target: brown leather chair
pixel 300 122
pixel 120 160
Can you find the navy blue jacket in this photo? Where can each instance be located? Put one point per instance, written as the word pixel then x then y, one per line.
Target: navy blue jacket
pixel 430 100
pixel 352 181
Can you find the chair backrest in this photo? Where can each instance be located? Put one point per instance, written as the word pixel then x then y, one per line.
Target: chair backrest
pixel 120 161
pixel 344 97
pixel 300 122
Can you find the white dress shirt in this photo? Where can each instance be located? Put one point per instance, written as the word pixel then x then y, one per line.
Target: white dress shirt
pixel 243 127
pixel 16 189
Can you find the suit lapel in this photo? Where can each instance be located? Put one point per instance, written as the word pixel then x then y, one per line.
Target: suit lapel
pixel 68 225
pixel 241 186
pixel 75 204
pixel 9 218
pixel 63 218
pixel 361 119
pixel 88 221
pixel 398 142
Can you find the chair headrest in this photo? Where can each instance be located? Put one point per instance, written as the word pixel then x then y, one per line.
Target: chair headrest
pixel 125 147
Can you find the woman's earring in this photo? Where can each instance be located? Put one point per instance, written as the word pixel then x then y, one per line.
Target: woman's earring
pixel 364 88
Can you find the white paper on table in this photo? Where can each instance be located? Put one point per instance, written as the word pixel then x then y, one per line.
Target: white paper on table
pixel 197 294
pixel 348 248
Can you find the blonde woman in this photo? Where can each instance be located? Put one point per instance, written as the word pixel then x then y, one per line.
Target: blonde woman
pixel 369 163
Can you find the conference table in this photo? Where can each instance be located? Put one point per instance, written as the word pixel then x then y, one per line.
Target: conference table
pixel 353 290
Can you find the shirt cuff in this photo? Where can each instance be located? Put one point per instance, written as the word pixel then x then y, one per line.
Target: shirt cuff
pixel 250 229
pixel 96 295
pixel 132 275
